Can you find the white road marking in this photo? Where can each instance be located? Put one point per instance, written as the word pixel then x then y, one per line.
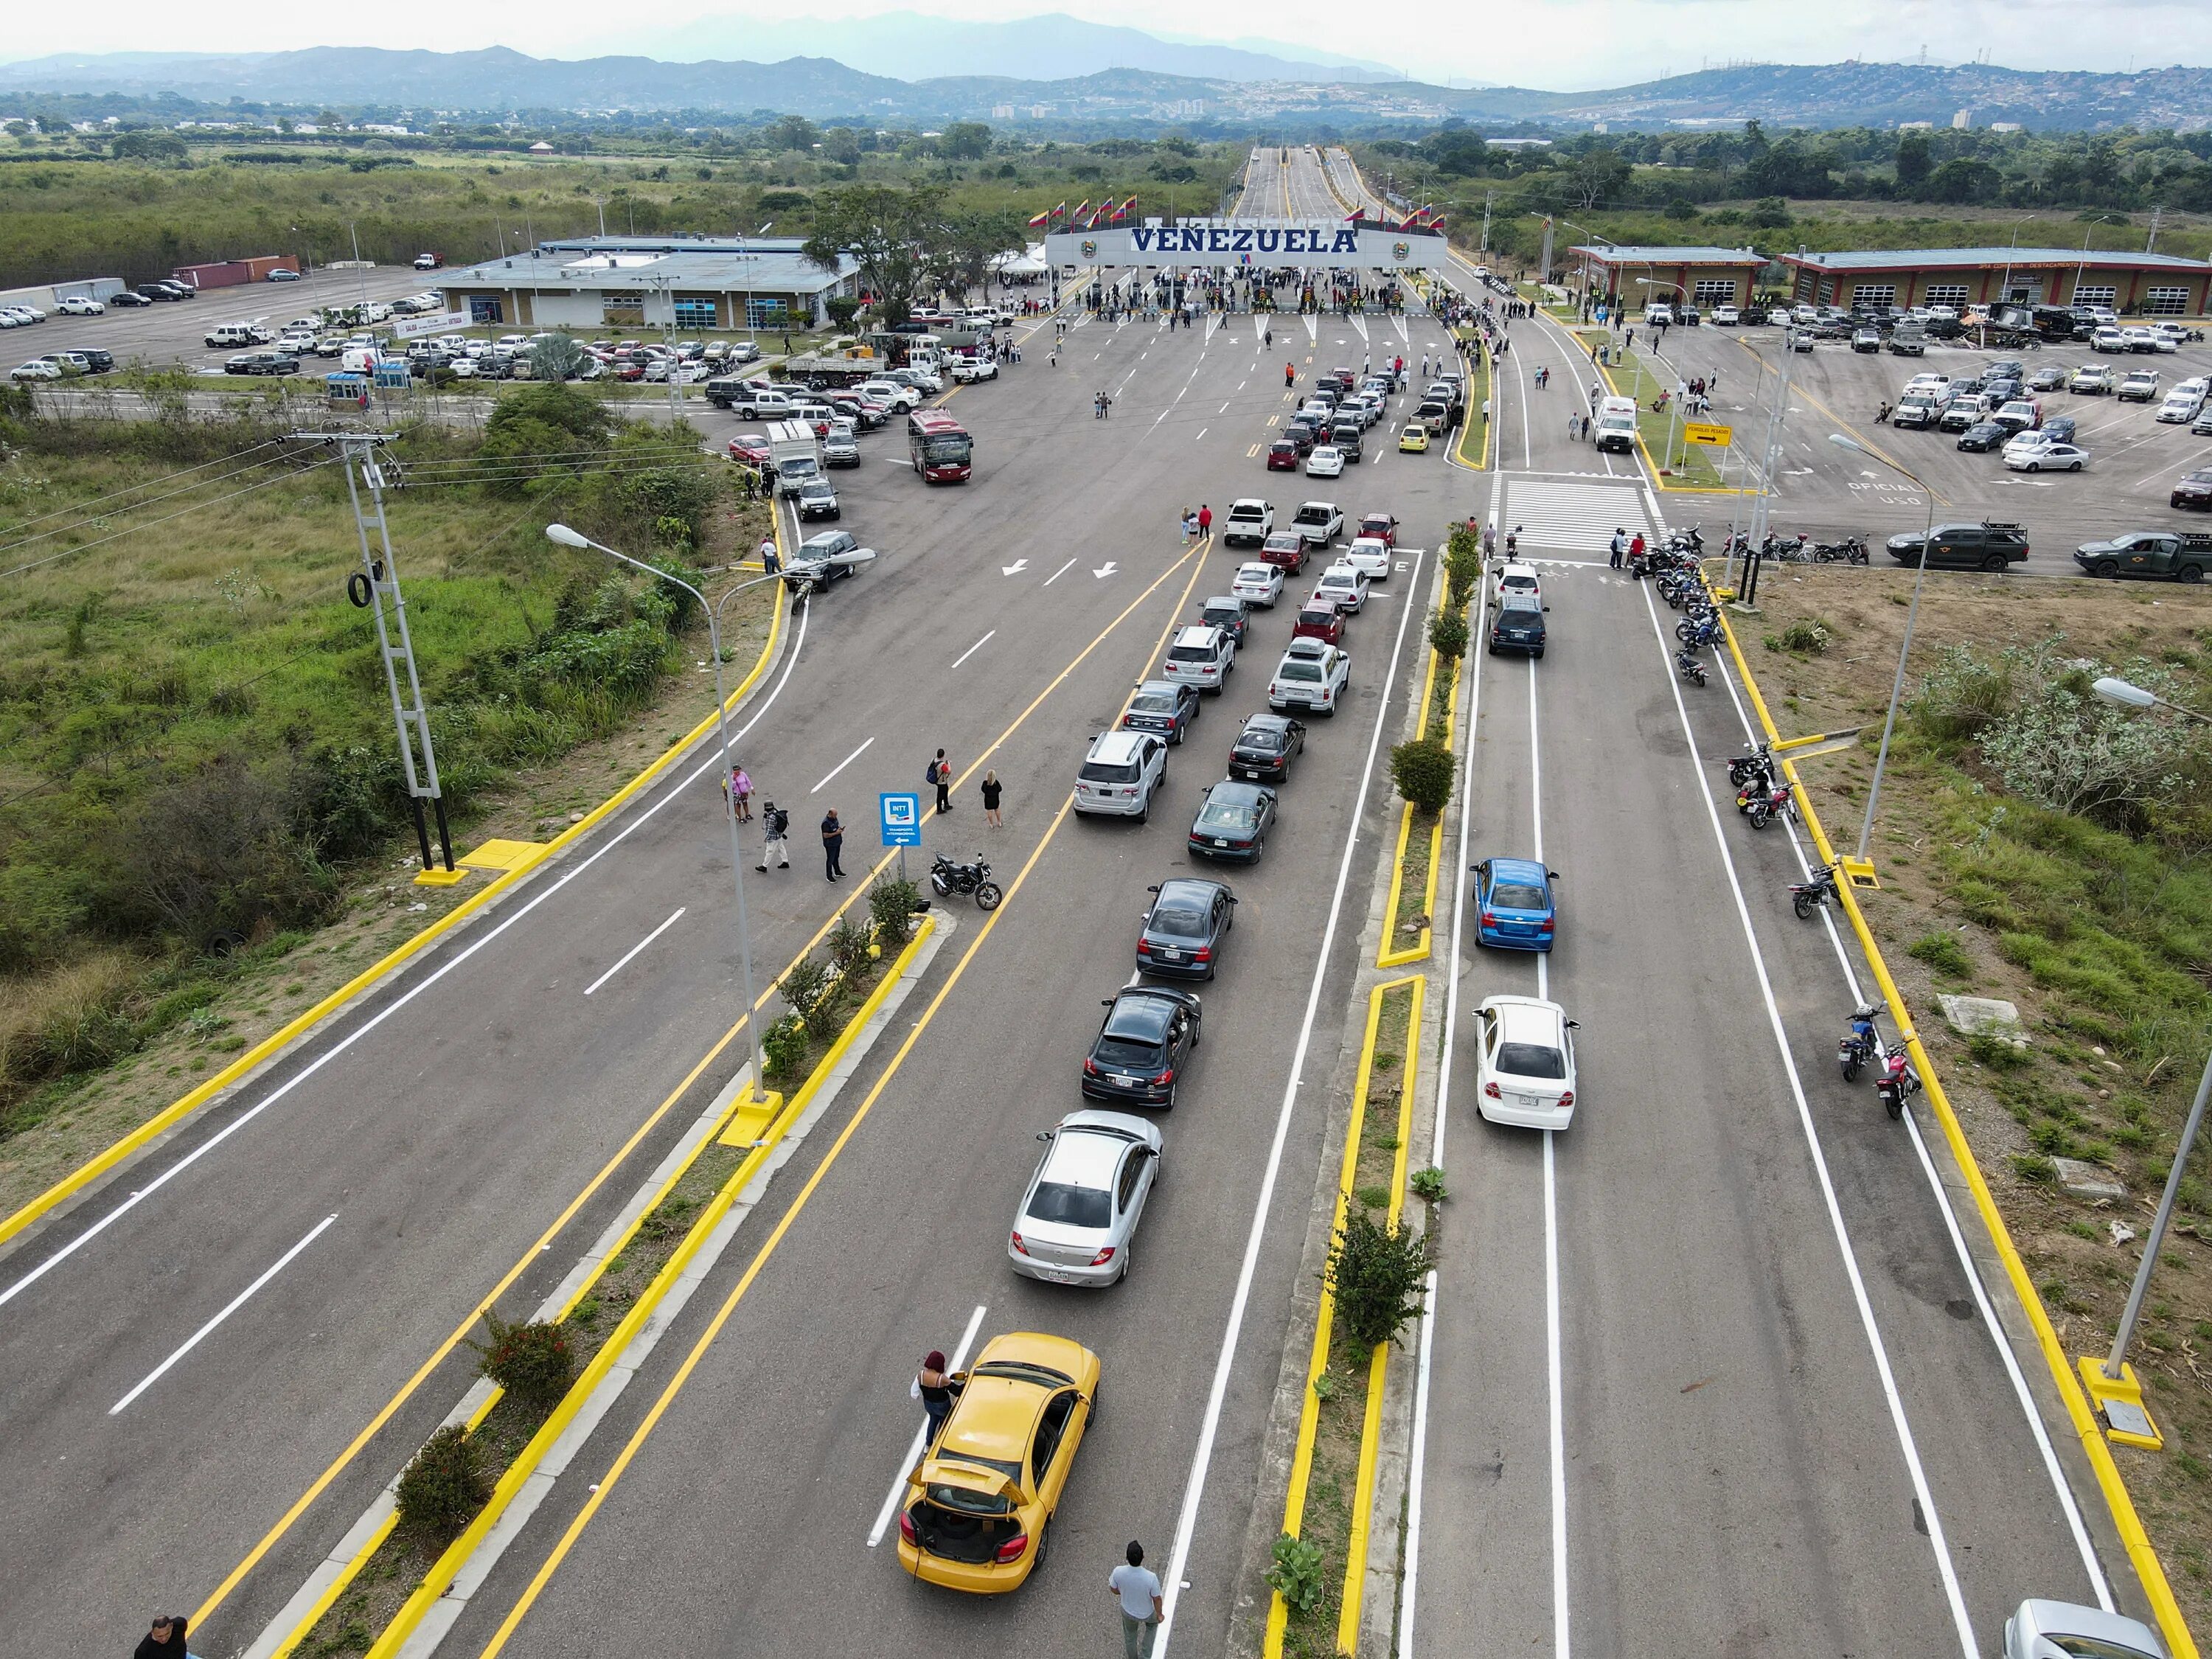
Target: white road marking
pixel 842 765
pixel 1202 1456
pixel 1058 574
pixel 1554 1376
pixel 979 644
pixel 632 952
pixel 1202 431
pixel 236 1302
pixel 1013 569
pixel 1969 1646
pixel 914 1457
pixel 1110 568
pixel 717 760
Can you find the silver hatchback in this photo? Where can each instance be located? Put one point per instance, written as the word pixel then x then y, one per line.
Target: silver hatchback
pixel 1081 1210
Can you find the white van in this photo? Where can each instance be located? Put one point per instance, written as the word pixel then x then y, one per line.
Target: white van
pixel 1615 426
pixel 359 360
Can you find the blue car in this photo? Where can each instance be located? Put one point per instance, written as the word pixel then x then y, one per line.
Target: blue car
pixel 1516 909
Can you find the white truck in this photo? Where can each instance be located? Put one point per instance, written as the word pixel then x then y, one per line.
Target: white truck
pixel 1615 427
pixel 794 453
pixel 1248 524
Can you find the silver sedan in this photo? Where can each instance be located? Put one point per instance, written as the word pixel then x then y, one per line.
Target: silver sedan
pixel 1081 1210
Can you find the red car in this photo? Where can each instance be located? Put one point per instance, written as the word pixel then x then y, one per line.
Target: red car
pixel 1380 527
pixel 1283 455
pixel 751 448
pixel 1285 549
pixel 1318 618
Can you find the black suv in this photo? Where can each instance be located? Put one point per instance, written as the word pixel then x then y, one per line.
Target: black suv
pixel 1517 625
pixel 1987 546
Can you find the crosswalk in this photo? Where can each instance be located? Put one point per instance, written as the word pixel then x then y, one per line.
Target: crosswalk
pixel 1563 516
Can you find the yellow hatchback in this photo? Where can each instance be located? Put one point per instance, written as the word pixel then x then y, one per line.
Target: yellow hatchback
pixel 1415 439
pixel 978 1504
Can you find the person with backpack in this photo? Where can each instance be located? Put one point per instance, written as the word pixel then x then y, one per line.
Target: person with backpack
pixel 775 824
pixel 939 776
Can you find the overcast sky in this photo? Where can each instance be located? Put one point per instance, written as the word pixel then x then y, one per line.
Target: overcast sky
pixel 1558 44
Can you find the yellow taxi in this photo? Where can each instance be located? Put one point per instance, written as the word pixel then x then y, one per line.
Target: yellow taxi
pixel 1415 439
pixel 978 1504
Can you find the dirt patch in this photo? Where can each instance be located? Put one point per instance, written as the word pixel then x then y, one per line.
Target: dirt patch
pixel 2097 936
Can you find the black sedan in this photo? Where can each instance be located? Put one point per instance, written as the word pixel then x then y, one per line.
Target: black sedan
pixel 1167 707
pixel 1233 821
pixel 1183 930
pixel 128 297
pixel 1984 436
pixel 1147 1036
pixel 1264 748
pixel 2194 489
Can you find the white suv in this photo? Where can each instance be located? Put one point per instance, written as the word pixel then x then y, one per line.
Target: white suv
pixel 1201 656
pixel 1121 774
pixel 1311 676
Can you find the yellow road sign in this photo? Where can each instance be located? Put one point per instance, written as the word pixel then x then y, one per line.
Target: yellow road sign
pixel 1708 432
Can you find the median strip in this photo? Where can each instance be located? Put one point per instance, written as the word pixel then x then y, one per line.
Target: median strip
pixel 1423 767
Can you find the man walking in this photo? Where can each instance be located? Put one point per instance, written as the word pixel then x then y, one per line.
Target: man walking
pixel 775 824
pixel 941 775
pixel 1138 1590
pixel 833 845
pixel 1617 547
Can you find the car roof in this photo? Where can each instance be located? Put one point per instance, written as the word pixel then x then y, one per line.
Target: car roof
pixel 832 541
pixel 1188 890
pixel 1142 1011
pixel 1114 747
pixel 1309 647
pixel 1164 689
pixel 1235 790
pixel 1195 634
pixel 1084 1157
pixel 1528 1019
pixel 1519 870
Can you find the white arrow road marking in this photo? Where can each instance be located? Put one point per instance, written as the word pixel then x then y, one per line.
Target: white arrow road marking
pixel 1058 574
pixel 1109 569
pixel 1015 568
pixel 1400 323
pixel 1313 328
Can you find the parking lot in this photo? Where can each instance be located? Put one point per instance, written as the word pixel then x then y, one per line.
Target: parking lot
pixel 1829 492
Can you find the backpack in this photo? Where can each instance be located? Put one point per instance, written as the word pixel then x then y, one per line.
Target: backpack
pixel 778 822
pixel 929 776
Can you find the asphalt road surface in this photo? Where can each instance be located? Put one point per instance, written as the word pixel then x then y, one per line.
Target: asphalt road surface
pixel 393 1167
pixel 169 331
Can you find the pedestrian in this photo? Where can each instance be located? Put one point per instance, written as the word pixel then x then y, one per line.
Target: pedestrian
pixel 1486 412
pixel 770 563
pixel 741 795
pixel 1574 424
pixel 1616 548
pixel 935 1390
pixel 1190 526
pixel 1268 344
pixel 775 823
pixel 1136 1587
pixel 166 1640
pixel 1289 376
pixel 1489 539
pixel 1425 366
pixel 940 774
pixel 1636 549
pixel 833 846
pixel 990 788
pixel 1205 520
pixel 1629 343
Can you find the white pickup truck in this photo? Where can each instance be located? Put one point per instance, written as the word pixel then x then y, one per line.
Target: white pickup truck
pixel 1248 523
pixel 1318 523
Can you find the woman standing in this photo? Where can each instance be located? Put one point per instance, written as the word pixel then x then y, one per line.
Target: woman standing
pixel 991 801
pixel 935 1390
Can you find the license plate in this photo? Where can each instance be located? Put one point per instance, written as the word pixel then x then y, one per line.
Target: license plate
pixel 1053 1278
pixel 1129 1082
pixel 1170 956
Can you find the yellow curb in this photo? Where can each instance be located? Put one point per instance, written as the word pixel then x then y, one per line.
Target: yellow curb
pixel 2141 1554
pixel 1370 1431
pixel 1385 957
pixel 1294 1501
pixel 440 1577
pixel 175 1113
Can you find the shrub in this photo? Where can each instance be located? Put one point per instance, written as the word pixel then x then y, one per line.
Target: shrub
pixel 1807 635
pixel 807 990
pixel 1965 693
pixel 442 1488
pixel 892 906
pixel 1422 770
pixel 1296 1574
pixel 2073 752
pixel 1428 1185
pixel 76 1019
pixel 784 1048
pixel 1377 1272
pixel 849 943
pixel 1463 566
pixel 1448 634
pixel 530 1359
pixel 1943 953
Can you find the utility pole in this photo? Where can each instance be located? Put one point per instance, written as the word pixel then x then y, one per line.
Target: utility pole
pixel 1486 196
pixel 2150 242
pixel 376 584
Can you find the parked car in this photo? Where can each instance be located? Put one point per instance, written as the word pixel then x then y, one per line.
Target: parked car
pixel 1078 1217
pixel 1287 551
pixel 2193 490
pixel 1984 436
pixel 1258 584
pixel 2090 379
pixel 1369 557
pixel 1318 618
pixel 79 305
pixel 1248 523
pixel 1283 455
pixel 2048 457
pixel 2175 555
pixel 1226 612
pixel 1345 587
pixel 1319 523
pixel 1184 930
pixel 1201 656
pixel 1990 545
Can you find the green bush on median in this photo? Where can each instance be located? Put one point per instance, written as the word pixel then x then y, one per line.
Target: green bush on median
pixel 529 1358
pixel 1378 1275
pixel 442 1488
pixel 1422 770
pixel 1448 634
pixel 1296 1574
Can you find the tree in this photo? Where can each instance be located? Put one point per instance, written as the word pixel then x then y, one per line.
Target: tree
pixel 557 357
pixel 791 133
pixel 966 243
pixel 964 140
pixel 1458 152
pixel 149 147
pixel 897 235
pixel 1597 177
pixel 1914 160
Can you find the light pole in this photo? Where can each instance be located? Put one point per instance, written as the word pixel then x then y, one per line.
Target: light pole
pixel 2004 287
pixel 2075 298
pixel 1912 616
pixel 2114 1370
pixel 561 534
pixel 1674 399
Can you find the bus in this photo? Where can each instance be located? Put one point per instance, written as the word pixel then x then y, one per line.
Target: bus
pixel 940 447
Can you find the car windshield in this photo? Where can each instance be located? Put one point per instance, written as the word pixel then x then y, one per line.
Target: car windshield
pixel 1228 815
pixel 1517 896
pixel 1531 1060
pixel 1070 1205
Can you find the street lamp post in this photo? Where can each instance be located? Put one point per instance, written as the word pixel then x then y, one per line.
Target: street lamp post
pixel 1674 399
pixel 562 535
pixel 2136 1424
pixel 1912 617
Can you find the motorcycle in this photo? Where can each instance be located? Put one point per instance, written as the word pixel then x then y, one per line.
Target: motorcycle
pixel 968 880
pixel 1898 1080
pixel 1686 665
pixel 1695 631
pixel 1763 802
pixel 1852 549
pixel 1807 896
pixel 1742 768
pixel 1858 1045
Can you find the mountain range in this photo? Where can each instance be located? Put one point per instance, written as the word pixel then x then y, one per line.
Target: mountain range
pixel 1290 97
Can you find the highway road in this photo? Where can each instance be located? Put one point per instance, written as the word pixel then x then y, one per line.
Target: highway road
pixel 1711 1370
pixel 476 1121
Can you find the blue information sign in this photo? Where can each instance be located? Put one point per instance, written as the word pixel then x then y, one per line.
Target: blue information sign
pixel 901 818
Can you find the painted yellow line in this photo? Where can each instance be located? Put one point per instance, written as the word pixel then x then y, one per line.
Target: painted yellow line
pixel 769 1247
pixel 176 1113
pixel 2149 1569
pixel 440 1577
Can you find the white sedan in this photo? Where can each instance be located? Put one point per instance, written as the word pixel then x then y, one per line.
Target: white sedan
pixel 1370 555
pixel 1258 584
pixel 2047 457
pixel 78 306
pixel 1327 461
pixel 36 369
pixel 1345 587
pixel 1525 1063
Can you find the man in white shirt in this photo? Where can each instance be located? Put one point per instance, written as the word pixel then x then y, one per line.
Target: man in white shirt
pixel 1138 1589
